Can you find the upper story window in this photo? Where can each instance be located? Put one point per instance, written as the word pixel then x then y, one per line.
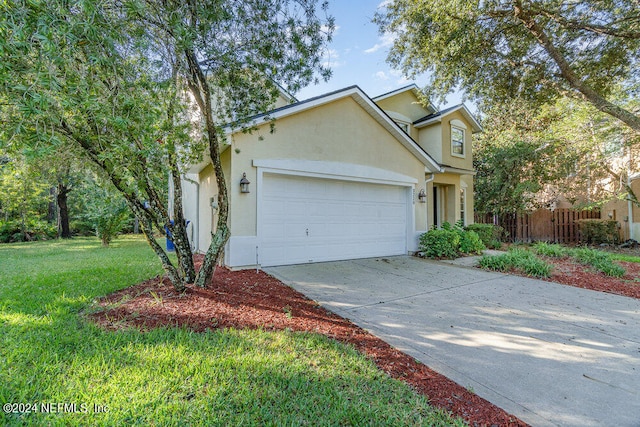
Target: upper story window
pixel 457 141
pixel 404 126
pixel 458 146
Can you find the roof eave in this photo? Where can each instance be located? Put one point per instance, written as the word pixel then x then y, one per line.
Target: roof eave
pixel 458 171
pixel 476 127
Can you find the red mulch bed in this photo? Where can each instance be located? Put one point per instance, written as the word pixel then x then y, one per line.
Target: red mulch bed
pixel 569 272
pixel 250 299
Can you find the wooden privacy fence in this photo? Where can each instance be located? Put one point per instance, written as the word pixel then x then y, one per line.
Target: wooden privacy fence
pixel 558 226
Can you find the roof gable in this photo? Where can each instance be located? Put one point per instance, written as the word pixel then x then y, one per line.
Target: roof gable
pixel 405 101
pixel 374 111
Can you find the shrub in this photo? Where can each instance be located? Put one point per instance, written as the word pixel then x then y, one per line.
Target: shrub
pixel 82 227
pixel 597 231
pixel 470 242
pixel 16 231
pixel 110 223
pixel 450 241
pixel 441 243
pixel 489 234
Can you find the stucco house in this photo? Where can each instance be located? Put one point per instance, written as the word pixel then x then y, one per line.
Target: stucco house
pixel 343 176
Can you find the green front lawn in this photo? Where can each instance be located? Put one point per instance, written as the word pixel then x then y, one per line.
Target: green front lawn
pixel 51 355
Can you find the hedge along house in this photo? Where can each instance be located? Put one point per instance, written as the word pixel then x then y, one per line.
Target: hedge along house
pixel 343 176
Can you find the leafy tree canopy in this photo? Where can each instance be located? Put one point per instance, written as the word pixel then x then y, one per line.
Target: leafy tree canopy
pixel 109 79
pixel 536 50
pixel 529 158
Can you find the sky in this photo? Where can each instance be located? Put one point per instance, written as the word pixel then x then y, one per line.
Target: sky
pixel 357 54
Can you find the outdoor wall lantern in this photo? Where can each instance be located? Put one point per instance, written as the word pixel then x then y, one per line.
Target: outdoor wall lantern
pixel 422 196
pixel 244 184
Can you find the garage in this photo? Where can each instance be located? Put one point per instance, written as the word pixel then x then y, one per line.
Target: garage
pixel 311 219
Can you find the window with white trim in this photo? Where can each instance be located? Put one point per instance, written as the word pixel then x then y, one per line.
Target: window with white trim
pixel 457 141
pixel 463 205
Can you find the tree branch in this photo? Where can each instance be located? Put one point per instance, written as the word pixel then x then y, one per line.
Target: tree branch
pixel 608 30
pixel 569 74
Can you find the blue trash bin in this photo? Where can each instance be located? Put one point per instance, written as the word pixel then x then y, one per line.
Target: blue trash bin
pixel 170 246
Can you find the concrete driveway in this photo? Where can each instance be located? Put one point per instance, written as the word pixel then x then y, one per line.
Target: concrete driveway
pixel 547 353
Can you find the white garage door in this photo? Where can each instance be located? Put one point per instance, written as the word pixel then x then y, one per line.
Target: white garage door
pixel 311 219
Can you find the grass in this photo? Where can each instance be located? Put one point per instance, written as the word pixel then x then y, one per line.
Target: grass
pixel 526 261
pixel 600 260
pixel 625 257
pixel 50 354
pixel 517 259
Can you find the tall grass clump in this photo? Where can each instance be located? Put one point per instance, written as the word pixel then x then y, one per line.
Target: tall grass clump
pixel 551 250
pixel 600 260
pixel 517 259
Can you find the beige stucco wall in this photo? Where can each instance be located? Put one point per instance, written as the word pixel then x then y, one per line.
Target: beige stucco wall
pixel 282 101
pixel 337 132
pixel 469 213
pixel 430 139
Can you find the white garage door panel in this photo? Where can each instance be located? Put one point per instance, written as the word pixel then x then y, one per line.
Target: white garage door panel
pixel 313 219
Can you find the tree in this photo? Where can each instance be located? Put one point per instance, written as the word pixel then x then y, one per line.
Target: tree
pixel 73 78
pixel 231 54
pixel 536 50
pixel 110 79
pixel 529 158
pixel 515 159
pixel 23 193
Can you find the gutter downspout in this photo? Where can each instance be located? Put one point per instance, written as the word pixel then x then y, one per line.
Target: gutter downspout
pixel 629 203
pixel 426 205
pixel 195 238
pixel 630 211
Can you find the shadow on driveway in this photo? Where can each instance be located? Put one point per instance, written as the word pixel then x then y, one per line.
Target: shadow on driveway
pixel 547 353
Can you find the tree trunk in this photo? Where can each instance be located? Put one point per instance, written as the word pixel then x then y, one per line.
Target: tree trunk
pixel 199 87
pixel 63 211
pixel 149 216
pixel 179 233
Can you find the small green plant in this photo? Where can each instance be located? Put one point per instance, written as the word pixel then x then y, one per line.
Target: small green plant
pixel 287 311
pixel 495 262
pixel 517 259
pixel 157 299
pixel 600 260
pixel 550 250
pixel 494 244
